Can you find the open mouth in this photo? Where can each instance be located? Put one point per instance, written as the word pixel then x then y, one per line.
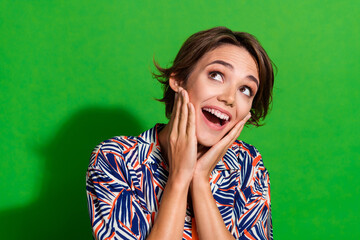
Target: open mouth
pixel 215 116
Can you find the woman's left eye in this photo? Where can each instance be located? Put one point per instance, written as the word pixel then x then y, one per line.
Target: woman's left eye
pixel 216 76
pixel 246 91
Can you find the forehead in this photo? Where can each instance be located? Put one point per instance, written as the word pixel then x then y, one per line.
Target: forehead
pixel 239 58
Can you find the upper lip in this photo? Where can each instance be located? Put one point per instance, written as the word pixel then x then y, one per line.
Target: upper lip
pixel 220 110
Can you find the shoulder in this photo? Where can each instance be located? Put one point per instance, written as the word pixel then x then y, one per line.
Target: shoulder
pixel 247 152
pixel 250 160
pixel 240 155
pixel 114 148
pixel 125 150
pixel 117 144
pixel 253 172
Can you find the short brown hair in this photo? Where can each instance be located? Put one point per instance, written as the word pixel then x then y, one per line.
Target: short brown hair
pixel 204 41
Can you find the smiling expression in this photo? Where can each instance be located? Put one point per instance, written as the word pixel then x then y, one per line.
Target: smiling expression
pixel 221 87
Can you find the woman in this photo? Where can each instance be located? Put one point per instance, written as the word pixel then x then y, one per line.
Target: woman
pixel 191 178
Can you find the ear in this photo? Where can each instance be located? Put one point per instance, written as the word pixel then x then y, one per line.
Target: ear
pixel 174 83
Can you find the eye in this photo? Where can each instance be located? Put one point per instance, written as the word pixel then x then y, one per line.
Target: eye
pixel 246 91
pixel 217 76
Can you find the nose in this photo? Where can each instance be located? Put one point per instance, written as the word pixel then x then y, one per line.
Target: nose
pixel 228 95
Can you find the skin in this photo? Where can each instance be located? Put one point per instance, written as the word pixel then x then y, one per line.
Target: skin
pixel 225 78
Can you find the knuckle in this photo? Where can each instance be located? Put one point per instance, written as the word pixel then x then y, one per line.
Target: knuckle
pixel 172 139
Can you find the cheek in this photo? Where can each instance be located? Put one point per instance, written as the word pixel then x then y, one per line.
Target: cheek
pixel 243 110
pixel 199 90
pixel 197 97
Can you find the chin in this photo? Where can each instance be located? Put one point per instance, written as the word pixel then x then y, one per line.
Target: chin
pixel 207 140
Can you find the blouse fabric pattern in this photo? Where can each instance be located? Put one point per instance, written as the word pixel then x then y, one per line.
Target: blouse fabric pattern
pixel 127 176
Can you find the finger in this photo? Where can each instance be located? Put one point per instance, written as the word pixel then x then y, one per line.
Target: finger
pixel 191 120
pixel 242 124
pixel 235 132
pixel 246 118
pixel 183 112
pixel 229 138
pixel 219 149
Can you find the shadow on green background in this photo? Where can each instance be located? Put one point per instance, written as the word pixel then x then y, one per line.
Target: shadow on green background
pixel 60 212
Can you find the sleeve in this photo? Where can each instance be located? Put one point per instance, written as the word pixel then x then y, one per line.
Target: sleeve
pixel 114 209
pixel 253 208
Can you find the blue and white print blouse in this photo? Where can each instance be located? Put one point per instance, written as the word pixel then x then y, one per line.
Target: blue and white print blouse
pixel 127 176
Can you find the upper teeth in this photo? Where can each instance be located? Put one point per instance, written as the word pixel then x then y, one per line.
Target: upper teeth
pixel 217 113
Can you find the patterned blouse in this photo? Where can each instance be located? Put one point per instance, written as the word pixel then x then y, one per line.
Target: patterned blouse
pixel 127 176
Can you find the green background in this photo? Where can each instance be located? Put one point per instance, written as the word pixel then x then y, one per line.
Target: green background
pixel 73 73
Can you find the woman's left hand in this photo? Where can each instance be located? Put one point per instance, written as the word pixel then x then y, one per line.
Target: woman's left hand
pixel 210 158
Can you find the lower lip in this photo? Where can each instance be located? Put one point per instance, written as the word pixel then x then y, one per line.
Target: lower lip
pixel 213 125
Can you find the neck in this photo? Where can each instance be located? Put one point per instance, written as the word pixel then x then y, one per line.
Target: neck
pixel 162 137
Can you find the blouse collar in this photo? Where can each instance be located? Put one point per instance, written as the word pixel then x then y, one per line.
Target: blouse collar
pixel 150 152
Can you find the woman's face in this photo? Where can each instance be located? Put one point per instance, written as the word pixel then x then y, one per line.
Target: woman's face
pixel 221 87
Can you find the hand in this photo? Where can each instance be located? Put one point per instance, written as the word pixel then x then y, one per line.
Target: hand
pixel 208 161
pixel 182 142
pixel 179 145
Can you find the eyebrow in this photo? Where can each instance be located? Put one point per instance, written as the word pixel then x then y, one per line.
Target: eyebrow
pixel 228 65
pixel 254 79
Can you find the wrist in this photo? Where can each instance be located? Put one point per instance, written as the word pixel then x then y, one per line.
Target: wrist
pixel 200 182
pixel 181 176
pixel 176 181
pixel 201 177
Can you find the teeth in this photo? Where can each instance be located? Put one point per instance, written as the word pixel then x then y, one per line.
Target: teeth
pixel 217 113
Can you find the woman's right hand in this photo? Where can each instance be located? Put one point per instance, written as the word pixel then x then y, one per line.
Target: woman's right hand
pixel 182 143
pixel 180 148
